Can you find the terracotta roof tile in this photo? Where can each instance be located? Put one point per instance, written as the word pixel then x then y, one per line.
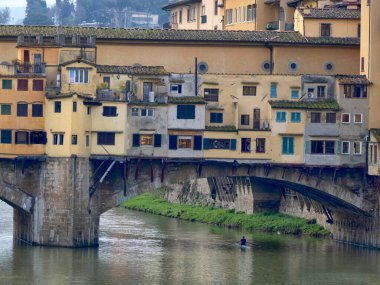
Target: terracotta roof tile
pixel 353 79
pixel 186 100
pixel 330 13
pixel 307 105
pixel 135 70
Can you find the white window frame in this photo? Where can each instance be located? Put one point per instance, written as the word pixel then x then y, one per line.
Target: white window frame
pixel 174 88
pixel 77 76
pixel 148 112
pixel 135 112
pixel 348 149
pixel 361 119
pixel 349 118
pixel 58 138
pixel 360 148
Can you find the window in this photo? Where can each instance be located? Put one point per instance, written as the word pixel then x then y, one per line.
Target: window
pixel 260 145
pixel 180 16
pixel 362 64
pixel 345 147
pixel 229 17
pixel 346 118
pixel 135 112
pixel 78 75
pixel 357 148
pixel 295 117
pixel 184 142
pixel 58 139
pixel 288 145
pixel 185 112
pixel 375 154
pixel 244 121
pixel 245 145
pixel 37 137
pixel 6 109
pixel 249 13
pixel 22 110
pixel 280 117
pixel 191 14
pixel 358 118
pixel 109 111
pixel 75 107
pixel 57 107
pixel 216 7
pixel 147 112
pixel 88 111
pixel 216 118
pixel 322 147
pixel 359 31
pixel 315 117
pixel 219 144
pixel 321 91
pixel 317 147
pixel 174 18
pixel 6 136
pixel 325 30
pixel 106 138
pixel 37 110
pixel 273 90
pixel 293 65
pixel 329 147
pixel 295 93
pixel 249 90
pixel 176 88
pixel 74 139
pixel 22 84
pixel 281 14
pixel 87 140
pixel 7 84
pixel 331 118
pixel 21 137
pixel 38 85
pixel 146 139
pixel 211 94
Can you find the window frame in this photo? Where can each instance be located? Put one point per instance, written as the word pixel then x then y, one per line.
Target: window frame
pixel 280 116
pixel 21 86
pixel 288 148
pixel 324 32
pixel 246 121
pixel 312 117
pixel 330 114
pixel 361 118
pixel 37 112
pixel 212 94
pixel 108 139
pixel 79 76
pixel 20 111
pixel 349 118
pixel 57 107
pixel 2 106
pixel 297 119
pixel 360 148
pixel 248 88
pixel 348 147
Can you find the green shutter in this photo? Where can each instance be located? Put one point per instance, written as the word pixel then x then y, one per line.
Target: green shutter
pixel 339 147
pixel 172 142
pixel 307 147
pixel 197 142
pixel 284 145
pixel 233 144
pixel 136 140
pixel 273 90
pixel 291 145
pixel 157 140
pixel 206 143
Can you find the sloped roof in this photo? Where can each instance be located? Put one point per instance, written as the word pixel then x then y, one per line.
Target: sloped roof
pixel 135 70
pixel 175 3
pixel 186 100
pixel 353 79
pixel 170 35
pixel 330 13
pixel 307 105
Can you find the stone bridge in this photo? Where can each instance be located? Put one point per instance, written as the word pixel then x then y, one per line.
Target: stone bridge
pixel 58 201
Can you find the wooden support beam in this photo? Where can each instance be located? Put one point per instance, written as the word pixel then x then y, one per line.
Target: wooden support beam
pixel 199 170
pixel 319 178
pixel 283 172
pixel 163 165
pixel 151 171
pixel 137 169
pixel 125 176
pixel 249 170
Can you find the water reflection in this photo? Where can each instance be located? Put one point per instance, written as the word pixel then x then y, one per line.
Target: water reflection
pixel 137 248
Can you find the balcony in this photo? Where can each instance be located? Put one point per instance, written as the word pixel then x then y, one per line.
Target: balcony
pixel 273 26
pixel 110 95
pixel 257 125
pixel 27 68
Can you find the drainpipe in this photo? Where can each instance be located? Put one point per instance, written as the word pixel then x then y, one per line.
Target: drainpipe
pixel 270 57
pixel 196 77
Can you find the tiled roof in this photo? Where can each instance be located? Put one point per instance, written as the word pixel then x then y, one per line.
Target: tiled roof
pixel 135 70
pixel 174 3
pixel 271 1
pixel 167 35
pixel 186 100
pixel 330 13
pixel 307 105
pixel 77 61
pixel 353 79
pixel 221 128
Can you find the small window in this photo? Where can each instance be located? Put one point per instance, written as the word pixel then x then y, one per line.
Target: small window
pixel 176 88
pixel 21 137
pixel 211 94
pixel 88 111
pixel 245 145
pixel 135 112
pixel 295 93
pixel 78 76
pixel 186 112
pixel 321 91
pixel 288 145
pixel 317 147
pixel 38 85
pixel 329 147
pixel 22 84
pixel 6 109
pixel 249 90
pixel 37 137
pixel 260 145
pixel 244 120
pixel 22 110
pixel 75 106
pixel 293 66
pixel 315 117
pixel 106 138
pixel 146 139
pixel 346 118
pixel 329 66
pixel 362 64
pixel 184 142
pixel 87 140
pixel 58 139
pixel 6 136
pixel 266 66
pixel 325 30
pixel 295 117
pixel 345 147
pixel 358 118
pixel 280 117
pixel 357 148
pixel 216 118
pixel 147 112
pixel 331 118
pixel 74 139
pixel 109 111
pixel 273 90
pixel 57 107
pixel 37 110
pixel 7 84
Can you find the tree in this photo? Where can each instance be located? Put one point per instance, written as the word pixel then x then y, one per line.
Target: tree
pixel 37 13
pixel 64 12
pixel 4 16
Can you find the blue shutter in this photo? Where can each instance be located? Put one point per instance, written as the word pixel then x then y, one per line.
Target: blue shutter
pixel 206 144
pixel 307 147
pixel 339 147
pixel 172 142
pixel 283 116
pixel 233 144
pixel 291 145
pixel 295 94
pixel 284 145
pixel 179 88
pixel 212 118
pixel 127 86
pixel 278 116
pixel 157 140
pixel 197 142
pixel 273 90
pixel 220 117
pixel 136 140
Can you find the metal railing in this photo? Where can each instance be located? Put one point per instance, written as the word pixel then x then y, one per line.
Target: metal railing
pixel 30 68
pixel 110 94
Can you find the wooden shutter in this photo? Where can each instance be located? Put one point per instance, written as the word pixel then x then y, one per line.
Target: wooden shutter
pixel 172 142
pixel 136 140
pixel 157 140
pixel 197 142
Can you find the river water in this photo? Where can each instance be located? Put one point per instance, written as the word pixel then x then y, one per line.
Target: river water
pixel 138 248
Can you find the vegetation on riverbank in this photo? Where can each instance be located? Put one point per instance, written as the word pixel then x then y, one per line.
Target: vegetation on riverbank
pixel 268 222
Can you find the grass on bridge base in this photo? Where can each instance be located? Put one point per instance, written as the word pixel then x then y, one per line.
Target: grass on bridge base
pixel 268 222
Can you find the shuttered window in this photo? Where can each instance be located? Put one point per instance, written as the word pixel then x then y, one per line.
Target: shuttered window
pixel 295 117
pixel 22 110
pixel 197 142
pixel 38 85
pixel 288 145
pixel 186 112
pixel 106 138
pixel 273 90
pixel 173 142
pixel 7 84
pixel 136 140
pixel 280 117
pixel 216 118
pixel 37 110
pixel 22 84
pixel 157 140
pixel 6 136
